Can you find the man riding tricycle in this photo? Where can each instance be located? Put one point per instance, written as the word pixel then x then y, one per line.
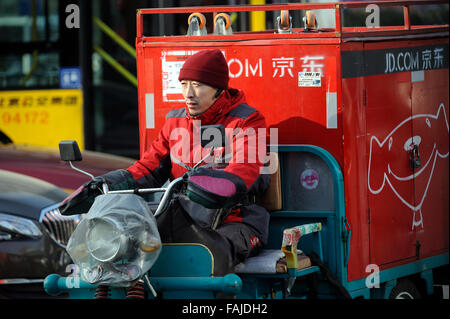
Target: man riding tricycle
pixel 305 215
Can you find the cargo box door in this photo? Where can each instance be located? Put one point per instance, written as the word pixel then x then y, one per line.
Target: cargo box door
pixel 390 179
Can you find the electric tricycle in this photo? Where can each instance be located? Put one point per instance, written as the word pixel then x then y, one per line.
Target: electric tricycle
pixel 358 126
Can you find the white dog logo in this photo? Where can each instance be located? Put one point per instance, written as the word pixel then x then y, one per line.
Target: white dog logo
pixel 431 138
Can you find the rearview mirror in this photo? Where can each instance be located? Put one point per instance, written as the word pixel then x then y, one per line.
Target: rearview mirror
pixel 69 151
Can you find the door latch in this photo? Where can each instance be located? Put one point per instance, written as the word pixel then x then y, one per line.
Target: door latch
pixel 414 158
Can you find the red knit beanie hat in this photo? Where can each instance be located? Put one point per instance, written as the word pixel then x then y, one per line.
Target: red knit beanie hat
pixel 207 66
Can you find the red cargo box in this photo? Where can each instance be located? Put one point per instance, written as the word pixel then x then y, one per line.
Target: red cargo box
pixel 376 99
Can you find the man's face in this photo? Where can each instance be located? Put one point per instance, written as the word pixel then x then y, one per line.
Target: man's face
pixel 198 96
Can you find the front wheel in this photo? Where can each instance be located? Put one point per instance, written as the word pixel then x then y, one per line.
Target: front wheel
pixel 405 289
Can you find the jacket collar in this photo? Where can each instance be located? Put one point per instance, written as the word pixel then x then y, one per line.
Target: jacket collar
pixel 224 104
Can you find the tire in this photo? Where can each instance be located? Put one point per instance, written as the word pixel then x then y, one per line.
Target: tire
pixel 405 289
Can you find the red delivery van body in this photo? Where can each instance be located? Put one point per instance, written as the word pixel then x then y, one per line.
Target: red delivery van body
pixel 375 98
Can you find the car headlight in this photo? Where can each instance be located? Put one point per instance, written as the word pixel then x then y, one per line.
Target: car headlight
pixel 19 225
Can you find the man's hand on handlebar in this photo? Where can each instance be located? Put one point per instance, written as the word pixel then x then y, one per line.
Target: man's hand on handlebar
pixel 81 200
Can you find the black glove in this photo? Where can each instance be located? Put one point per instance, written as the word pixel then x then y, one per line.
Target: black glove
pixel 81 200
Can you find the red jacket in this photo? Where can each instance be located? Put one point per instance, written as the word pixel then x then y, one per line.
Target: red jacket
pixel 229 110
pixel 158 164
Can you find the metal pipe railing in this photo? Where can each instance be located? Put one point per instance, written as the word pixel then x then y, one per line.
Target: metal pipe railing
pixel 337 6
pixel 115 37
pixel 108 58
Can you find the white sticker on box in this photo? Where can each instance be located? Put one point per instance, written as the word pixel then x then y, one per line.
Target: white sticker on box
pixel 310 79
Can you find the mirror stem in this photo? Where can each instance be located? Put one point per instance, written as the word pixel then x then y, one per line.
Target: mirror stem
pixel 81 171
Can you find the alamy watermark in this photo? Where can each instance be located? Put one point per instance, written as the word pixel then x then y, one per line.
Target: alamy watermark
pixel 241 146
pixel 373 19
pixel 373 279
pixel 73 19
pixel 73 279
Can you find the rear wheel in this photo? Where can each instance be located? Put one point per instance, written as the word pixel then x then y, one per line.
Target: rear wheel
pixel 405 289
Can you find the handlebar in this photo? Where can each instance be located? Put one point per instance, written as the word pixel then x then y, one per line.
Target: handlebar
pixel 167 191
pixel 165 199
